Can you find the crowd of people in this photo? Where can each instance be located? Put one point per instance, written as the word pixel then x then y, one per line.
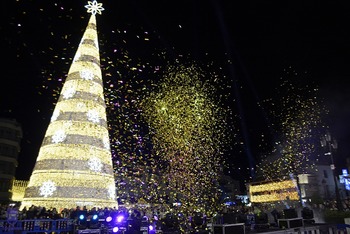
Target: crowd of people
pixel 162 217
pixel 37 212
pixel 159 216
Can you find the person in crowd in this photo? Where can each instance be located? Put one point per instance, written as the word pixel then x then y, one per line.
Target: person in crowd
pixel 12 214
pixel 74 214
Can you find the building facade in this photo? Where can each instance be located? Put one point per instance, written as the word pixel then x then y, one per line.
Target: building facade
pixel 320 185
pixel 10 140
pixel 316 186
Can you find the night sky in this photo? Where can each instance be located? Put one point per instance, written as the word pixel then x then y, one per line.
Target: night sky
pixel 261 39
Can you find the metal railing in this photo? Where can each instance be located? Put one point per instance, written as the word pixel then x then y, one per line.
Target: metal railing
pixel 37 226
pixel 68 226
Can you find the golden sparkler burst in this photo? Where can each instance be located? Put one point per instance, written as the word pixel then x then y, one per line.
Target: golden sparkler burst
pixel 299 119
pixel 188 129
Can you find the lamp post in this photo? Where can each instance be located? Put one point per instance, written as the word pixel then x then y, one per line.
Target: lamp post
pixel 331 144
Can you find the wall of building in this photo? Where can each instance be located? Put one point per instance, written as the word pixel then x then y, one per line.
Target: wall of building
pixel 10 140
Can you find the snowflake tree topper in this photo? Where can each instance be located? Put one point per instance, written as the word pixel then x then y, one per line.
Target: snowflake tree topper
pixel 94 7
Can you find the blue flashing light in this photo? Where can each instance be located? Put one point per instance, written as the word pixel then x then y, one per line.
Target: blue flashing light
pixel 109 219
pixel 229 203
pixel 347 184
pixel 120 218
pixel 94 217
pixel 115 229
pixel 81 217
pixel 150 228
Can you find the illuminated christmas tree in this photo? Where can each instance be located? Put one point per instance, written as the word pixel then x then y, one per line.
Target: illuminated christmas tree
pixel 74 165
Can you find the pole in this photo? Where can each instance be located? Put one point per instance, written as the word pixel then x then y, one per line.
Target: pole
pixel 299 191
pixel 337 194
pixel 326 140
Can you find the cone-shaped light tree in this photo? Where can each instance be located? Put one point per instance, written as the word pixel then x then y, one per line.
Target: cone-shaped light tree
pixel 74 165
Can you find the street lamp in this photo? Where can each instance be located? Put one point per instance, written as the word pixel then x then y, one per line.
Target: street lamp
pixel 331 144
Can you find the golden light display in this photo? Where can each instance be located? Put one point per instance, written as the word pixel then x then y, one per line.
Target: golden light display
pixel 74 165
pixel 18 189
pixel 273 191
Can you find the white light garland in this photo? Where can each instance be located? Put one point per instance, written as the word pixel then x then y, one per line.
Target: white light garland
pixel 77 56
pixel 96 43
pixel 111 192
pixel 106 143
pixel 55 115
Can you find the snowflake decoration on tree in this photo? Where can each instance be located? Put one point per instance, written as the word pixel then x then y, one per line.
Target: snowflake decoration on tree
pixel 95 164
pixel 93 116
pixel 106 143
pixel 55 115
pixel 94 7
pixel 69 92
pixel 111 192
pixel 86 74
pixel 47 188
pixel 59 136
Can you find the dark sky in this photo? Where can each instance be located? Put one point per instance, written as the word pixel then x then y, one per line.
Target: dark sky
pixel 262 38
